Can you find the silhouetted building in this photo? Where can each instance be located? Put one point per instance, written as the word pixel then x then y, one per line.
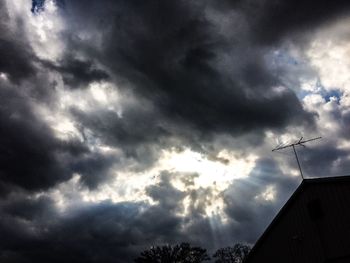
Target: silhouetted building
pixel 312 227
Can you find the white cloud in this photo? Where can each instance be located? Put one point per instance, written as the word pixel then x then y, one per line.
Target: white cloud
pixel 329 53
pixel 3 76
pixel 43 29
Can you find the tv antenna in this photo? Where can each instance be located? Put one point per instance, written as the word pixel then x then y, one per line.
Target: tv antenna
pixel 301 143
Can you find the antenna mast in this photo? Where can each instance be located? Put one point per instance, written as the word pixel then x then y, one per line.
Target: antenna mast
pixel 301 143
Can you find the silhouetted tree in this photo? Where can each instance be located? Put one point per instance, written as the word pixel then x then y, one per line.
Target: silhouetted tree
pixel 235 254
pixel 182 253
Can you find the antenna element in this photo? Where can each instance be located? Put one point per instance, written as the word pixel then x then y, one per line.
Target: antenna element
pixel 301 143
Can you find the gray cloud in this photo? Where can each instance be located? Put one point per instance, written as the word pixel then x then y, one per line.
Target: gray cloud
pixel 324 160
pixel 76 72
pixel 246 204
pixel 16 56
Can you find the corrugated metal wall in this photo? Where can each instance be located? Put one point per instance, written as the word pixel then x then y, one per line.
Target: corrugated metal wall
pixel 315 227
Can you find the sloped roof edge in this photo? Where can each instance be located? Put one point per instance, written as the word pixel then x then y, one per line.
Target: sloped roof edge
pixel 305 183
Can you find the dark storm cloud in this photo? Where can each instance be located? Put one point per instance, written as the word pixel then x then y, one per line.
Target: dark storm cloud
pixel 136 126
pixel 76 72
pixel 32 157
pixel 94 168
pixel 32 231
pixel 20 206
pixel 29 149
pixel 15 60
pixel 171 60
pixel 272 21
pixel 279 18
pixel 103 233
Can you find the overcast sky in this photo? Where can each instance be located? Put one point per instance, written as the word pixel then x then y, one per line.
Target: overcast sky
pixel 131 123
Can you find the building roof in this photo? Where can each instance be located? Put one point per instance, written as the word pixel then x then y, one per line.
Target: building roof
pixel 306 183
